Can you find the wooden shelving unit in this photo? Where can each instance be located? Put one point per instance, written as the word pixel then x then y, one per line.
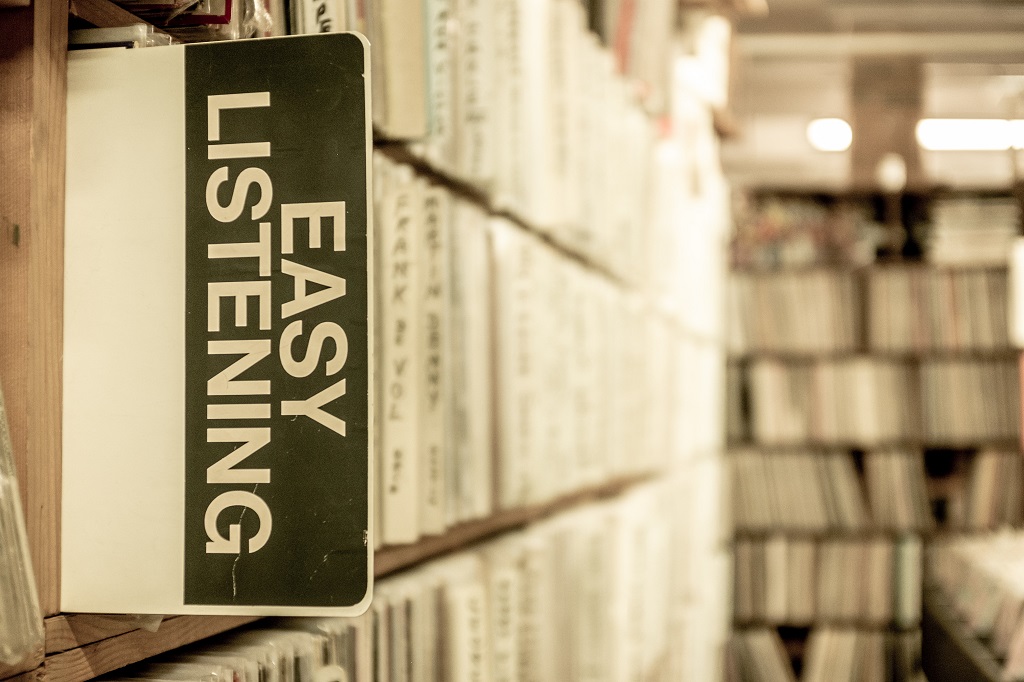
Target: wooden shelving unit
pixel 827 535
pixel 894 355
pixel 33 65
pixel 947 463
pixel 854 269
pixel 33 87
pixel 903 443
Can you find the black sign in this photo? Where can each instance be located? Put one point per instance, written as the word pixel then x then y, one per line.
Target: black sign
pixel 277 390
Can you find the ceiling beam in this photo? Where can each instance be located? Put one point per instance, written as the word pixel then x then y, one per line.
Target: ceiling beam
pixel 882 44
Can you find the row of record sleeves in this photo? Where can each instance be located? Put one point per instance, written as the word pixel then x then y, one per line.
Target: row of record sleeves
pixel 510 374
pixel 823 491
pixel 834 654
pixel 605 592
pixel 994 495
pixel 794 581
pixel 637 35
pixel 869 401
pixel 519 101
pixel 887 309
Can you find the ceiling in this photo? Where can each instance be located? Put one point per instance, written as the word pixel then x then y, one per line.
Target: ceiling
pixel 840 16
pixel 795 65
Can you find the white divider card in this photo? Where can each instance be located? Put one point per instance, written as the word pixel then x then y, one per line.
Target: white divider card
pixel 218 357
pixel 517 370
pixel 512 474
pixel 381 638
pixel 534 278
pixel 557 360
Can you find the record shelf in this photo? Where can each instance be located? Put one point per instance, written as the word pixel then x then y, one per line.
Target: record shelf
pixel 33 65
pixel 865 347
pixel 32 69
pixel 850 340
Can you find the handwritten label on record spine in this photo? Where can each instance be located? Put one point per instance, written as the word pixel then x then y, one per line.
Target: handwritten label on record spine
pixel 399 468
pixel 504 594
pixel 470 653
pixel 434 339
pixel 475 125
pixel 440 143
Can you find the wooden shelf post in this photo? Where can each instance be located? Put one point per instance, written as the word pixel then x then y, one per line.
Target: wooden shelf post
pixel 33 85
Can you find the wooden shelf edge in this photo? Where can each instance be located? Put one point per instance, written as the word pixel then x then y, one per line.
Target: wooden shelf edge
pixel 833 534
pixel 858 268
pixel 1009 442
pixel 392 559
pixel 68 631
pixel 908 356
pixel 91 660
pixel 833 623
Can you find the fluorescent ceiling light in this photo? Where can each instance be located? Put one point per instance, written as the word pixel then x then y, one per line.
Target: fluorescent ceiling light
pixel 970 134
pixel 829 134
